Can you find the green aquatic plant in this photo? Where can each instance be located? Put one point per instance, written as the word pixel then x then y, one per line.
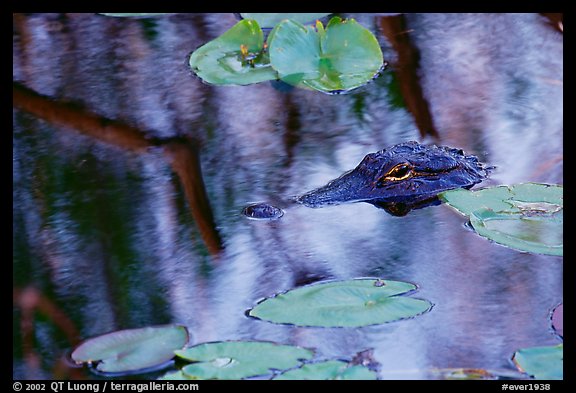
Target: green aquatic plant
pixel 350 303
pixel 546 362
pixel 237 57
pixel 328 370
pixel 527 216
pixel 339 57
pixel 335 58
pixel 239 359
pixel 132 350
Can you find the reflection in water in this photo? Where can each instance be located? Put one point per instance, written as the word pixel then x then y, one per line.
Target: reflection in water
pixel 107 234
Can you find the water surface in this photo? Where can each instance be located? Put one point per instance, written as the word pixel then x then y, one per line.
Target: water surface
pixel 106 235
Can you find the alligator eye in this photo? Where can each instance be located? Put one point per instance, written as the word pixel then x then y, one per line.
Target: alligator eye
pixel 397 173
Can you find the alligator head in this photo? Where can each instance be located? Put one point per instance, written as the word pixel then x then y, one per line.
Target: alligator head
pixel 401 178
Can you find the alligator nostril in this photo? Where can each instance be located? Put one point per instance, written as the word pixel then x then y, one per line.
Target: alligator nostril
pixel 262 211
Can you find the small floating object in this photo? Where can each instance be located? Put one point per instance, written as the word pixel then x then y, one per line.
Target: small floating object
pixel 262 211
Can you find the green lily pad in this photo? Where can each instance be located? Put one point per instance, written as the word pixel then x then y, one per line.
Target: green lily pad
pixel 271 19
pixel 237 57
pixel 338 58
pixel 538 234
pixel 240 359
pixel 541 362
pixel 523 197
pixel 132 350
pixel 352 303
pixel 328 370
pixel 527 216
pixel 466 201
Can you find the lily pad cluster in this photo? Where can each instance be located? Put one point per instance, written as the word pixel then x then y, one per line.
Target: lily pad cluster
pixel 335 58
pixel 351 303
pixel 527 216
pixel 134 351
pixel 367 301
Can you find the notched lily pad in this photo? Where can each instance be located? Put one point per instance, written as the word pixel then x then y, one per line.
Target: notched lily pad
pixel 527 216
pixel 237 57
pixel 133 350
pixel 352 303
pixel 523 197
pixel 333 59
pixel 531 233
pixel 541 362
pixel 239 359
pixel 328 370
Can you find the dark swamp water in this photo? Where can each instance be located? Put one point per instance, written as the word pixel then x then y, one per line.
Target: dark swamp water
pixel 110 235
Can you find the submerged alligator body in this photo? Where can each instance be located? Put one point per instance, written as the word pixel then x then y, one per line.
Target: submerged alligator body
pixel 398 179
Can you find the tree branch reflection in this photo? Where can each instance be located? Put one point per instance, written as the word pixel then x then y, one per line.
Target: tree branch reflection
pixel 182 153
pixel 406 67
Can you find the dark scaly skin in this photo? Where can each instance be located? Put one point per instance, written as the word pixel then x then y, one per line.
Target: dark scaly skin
pixel 401 178
pixel 398 179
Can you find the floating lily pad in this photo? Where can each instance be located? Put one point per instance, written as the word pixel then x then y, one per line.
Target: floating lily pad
pixel 338 58
pixel 539 234
pixel 352 303
pixel 132 350
pixel 240 359
pixel 527 216
pixel 531 198
pixel 541 362
pixel 271 19
pixel 329 370
pixel 335 59
pixel 237 57
pixel 466 201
